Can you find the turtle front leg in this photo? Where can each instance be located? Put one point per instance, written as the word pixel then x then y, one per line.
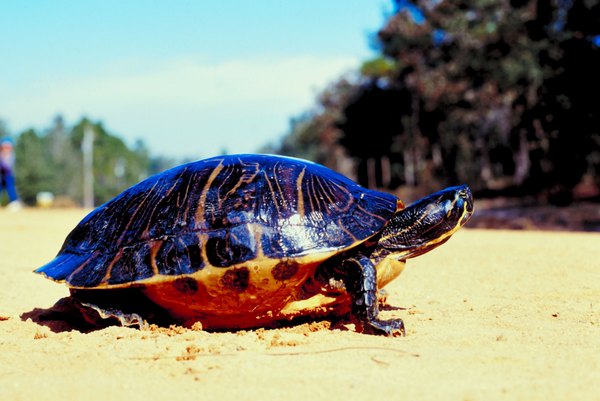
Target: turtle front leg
pixel 363 290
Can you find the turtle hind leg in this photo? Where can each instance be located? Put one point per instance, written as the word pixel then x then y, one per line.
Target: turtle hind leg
pixel 99 316
pixel 360 278
pixel 127 307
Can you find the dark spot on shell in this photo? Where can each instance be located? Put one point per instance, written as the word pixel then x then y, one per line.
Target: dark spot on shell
pixel 186 285
pixel 236 279
pixel 284 270
pixel 228 248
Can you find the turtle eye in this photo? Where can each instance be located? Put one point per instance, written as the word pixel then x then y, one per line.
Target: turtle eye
pixel 465 198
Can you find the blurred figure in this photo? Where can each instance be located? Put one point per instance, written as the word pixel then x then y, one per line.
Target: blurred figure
pixel 7 176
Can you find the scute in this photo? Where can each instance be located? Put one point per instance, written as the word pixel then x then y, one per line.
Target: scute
pixel 179 255
pixel 132 263
pixel 219 212
pixel 232 246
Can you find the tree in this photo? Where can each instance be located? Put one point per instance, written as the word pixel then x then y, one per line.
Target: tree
pixel 500 89
pixel 65 161
pixel 116 167
pixel 379 113
pixel 52 161
pixel 32 170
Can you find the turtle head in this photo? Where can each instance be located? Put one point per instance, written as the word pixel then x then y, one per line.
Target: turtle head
pixel 427 223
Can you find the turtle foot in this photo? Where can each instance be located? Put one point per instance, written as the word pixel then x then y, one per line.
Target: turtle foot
pixel 392 328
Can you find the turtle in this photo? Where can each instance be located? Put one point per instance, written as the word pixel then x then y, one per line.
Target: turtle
pixel 245 241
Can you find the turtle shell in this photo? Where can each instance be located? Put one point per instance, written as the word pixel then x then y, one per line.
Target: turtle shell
pixel 216 217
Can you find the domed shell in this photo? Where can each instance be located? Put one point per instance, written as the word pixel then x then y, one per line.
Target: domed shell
pixel 219 213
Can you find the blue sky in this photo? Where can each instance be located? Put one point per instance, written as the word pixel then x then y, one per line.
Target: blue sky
pixel 190 78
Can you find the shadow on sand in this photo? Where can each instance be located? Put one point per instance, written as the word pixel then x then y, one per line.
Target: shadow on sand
pixel 63 316
pixel 66 315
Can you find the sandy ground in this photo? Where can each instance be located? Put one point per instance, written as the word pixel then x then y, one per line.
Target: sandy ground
pixel 489 315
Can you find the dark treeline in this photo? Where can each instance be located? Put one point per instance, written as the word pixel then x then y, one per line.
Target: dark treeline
pixel 501 95
pixel 51 160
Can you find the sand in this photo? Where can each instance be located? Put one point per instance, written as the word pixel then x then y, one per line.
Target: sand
pixel 489 315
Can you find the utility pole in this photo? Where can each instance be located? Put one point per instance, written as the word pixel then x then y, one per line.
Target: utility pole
pixel 87 148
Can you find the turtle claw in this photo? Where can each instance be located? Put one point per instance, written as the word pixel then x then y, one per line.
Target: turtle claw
pixel 392 328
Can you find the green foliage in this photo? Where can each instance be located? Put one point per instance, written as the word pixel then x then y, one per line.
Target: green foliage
pixel 52 161
pixel 378 67
pixel 32 172
pixel 116 167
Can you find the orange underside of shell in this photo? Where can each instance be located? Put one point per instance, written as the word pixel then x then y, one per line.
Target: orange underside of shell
pixel 218 303
pixel 238 312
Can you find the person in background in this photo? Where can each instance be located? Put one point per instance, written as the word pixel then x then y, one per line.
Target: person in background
pixel 7 175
